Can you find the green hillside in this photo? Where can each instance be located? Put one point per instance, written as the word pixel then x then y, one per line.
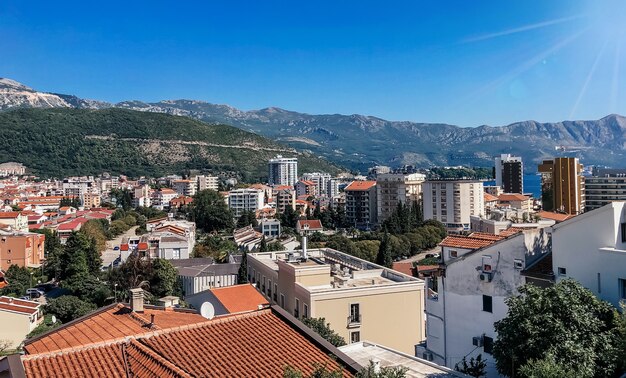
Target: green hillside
pixel 64 142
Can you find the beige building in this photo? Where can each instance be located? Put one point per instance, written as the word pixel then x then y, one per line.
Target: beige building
pixel 18 318
pixel 453 202
pixel 516 201
pixel 562 185
pixel 360 300
pixel 394 188
pixel 14 219
pixel 361 204
pixel 207 182
pixel 284 196
pixel 91 200
pixel 184 187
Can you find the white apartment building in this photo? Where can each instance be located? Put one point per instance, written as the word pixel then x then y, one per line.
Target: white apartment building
pixel 141 196
pixel 162 197
pixel 468 295
pixel 184 187
pixel 321 181
pixel 283 171
pixel 332 188
pixel 79 186
pixel 591 248
pixel 242 200
pixel 394 188
pixel 453 202
pixel 206 182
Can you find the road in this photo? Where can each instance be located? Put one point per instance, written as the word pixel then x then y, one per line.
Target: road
pixel 110 254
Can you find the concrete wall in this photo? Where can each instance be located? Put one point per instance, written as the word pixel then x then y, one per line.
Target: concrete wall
pixel 14 327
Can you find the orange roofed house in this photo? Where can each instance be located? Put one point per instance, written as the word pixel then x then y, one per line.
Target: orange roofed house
pixel 21 249
pixel 14 219
pixel 138 341
pixel 361 204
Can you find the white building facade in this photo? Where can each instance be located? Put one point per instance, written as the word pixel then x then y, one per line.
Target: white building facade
pixel 242 200
pixel 283 171
pixel 453 202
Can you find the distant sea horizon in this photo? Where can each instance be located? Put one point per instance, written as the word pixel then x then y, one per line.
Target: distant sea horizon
pixel 532 184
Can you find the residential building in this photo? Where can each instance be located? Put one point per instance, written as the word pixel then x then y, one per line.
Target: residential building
pixel 332 188
pixel 148 341
pixel 283 171
pixel 163 197
pixel 306 188
pixel 91 200
pixel 77 187
pixel 15 220
pixel 479 272
pixel 562 185
pixel 516 201
pixel 321 181
pixel 243 200
pixel 395 188
pixel 361 204
pixel 591 248
pixel 247 238
pixel 229 300
pixel 18 318
pixel 605 186
pixel 358 298
pixel 21 249
pixel 184 187
pixel 453 202
pixel 200 274
pixel 270 228
pixel 12 169
pixel 141 196
pixel 509 172
pixel 207 182
pixel 309 225
pixel 284 196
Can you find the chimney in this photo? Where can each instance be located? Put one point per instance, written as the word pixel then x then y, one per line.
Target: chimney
pixel 136 299
pixel 151 320
pixel 304 246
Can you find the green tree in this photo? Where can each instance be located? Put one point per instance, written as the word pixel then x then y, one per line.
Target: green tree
pixel 19 279
pixel 73 260
pixel 53 249
pixel 242 273
pixel 383 257
pixel 134 272
pixel 263 245
pixel 475 367
pixel 546 368
pixel 123 198
pixel 323 329
pixel 289 218
pixel 248 218
pixel 68 307
pixel 164 279
pixel 92 290
pixel 319 371
pixel 97 230
pixel 564 320
pixel 370 371
pixel 210 212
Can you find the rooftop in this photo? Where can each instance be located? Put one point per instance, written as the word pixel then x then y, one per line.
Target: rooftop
pixel 465 242
pixel 240 298
pixel 360 185
pixel 512 197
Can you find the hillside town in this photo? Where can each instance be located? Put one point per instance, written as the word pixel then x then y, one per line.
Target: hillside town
pixel 337 263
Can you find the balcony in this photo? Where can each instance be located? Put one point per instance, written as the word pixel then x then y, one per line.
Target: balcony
pixel 354 321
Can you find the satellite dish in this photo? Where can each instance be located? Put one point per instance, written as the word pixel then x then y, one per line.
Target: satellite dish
pixel 54 319
pixel 207 310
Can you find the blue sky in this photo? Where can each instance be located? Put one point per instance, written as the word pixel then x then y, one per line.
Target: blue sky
pixel 460 62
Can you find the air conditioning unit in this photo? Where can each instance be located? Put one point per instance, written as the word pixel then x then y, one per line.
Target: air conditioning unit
pixel 428 356
pixel 486 276
pixel 477 341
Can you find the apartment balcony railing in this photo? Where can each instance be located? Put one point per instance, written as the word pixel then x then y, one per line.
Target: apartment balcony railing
pixel 354 321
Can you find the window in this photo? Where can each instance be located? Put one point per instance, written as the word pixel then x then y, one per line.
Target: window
pixel 488 344
pixel 269 289
pixel 453 254
pixel 355 313
pixel 487 264
pixel 623 227
pixel 282 300
pixel 305 311
pixel 275 292
pixel 487 303
pixel 176 253
pixel 355 337
pixel 296 311
pixel 562 271
pixel 519 264
pixel 622 288
pixel 263 286
pixel 253 276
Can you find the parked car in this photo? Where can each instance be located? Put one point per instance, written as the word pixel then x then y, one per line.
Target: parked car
pixel 432 256
pixel 116 248
pixel 25 298
pixel 34 292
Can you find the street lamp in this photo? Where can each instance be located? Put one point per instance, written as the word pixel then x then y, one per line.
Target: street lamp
pixel 115 292
pixel 31 278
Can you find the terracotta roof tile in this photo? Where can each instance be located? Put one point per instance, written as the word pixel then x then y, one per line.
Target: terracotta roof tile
pixel 510 231
pixel 240 298
pixel 465 242
pixel 490 198
pixel 360 185
pixel 555 216
pixel 314 224
pixel 512 197
pixel 486 236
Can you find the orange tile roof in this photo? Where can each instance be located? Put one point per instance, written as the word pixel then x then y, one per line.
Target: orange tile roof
pixel 512 197
pixel 307 182
pixel 555 216
pixel 486 236
pixel 510 231
pixel 490 198
pixel 404 267
pixel 240 298
pixel 314 224
pixel 9 214
pixel 254 344
pixel 465 242
pixel 108 323
pixel 360 185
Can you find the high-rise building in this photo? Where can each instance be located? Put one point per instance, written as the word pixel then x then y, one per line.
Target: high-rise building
pixel 453 202
pixel 509 172
pixel 394 188
pixel 604 187
pixel 206 182
pixel 562 185
pixel 320 180
pixel 361 204
pixel 283 171
pixel 242 200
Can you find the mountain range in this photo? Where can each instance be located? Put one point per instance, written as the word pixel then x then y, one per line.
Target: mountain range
pixel 359 141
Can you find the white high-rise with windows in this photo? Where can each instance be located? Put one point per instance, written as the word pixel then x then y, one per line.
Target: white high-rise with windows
pixel 283 171
pixel 453 202
pixel 320 180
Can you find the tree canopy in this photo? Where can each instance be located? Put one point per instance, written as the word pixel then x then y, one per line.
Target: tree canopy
pixel 323 329
pixel 210 212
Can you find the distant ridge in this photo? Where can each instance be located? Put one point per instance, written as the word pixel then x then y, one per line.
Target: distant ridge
pixel 359 141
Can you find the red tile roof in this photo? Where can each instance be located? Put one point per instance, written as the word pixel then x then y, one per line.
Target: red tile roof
pixel 240 298
pixel 360 185
pixel 555 216
pixel 404 267
pixel 490 198
pixel 142 246
pixel 314 224
pixel 307 182
pixel 512 197
pixel 486 236
pixel 510 231
pixel 253 344
pixel 465 242
pixel 9 214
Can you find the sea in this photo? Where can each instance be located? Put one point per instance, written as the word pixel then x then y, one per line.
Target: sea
pixel 532 184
